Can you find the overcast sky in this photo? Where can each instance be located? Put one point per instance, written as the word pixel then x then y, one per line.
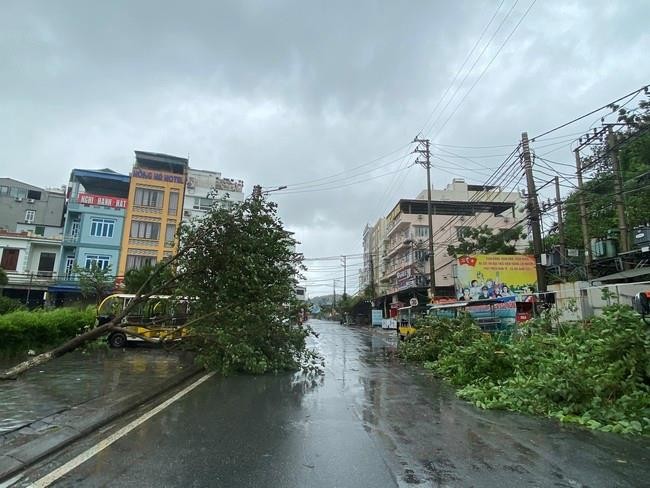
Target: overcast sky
pixel 279 93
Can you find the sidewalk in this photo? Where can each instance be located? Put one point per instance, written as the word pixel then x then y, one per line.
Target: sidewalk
pixel 114 383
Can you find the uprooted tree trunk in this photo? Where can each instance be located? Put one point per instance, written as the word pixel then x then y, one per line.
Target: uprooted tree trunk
pixel 99 331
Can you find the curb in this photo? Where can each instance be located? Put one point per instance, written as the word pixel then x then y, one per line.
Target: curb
pixel 77 422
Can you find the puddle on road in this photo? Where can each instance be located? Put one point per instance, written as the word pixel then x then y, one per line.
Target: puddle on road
pixel 76 378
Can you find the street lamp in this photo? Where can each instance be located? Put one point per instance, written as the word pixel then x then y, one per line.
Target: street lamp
pixel 266 192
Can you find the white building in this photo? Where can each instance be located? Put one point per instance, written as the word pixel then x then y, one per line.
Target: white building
pixel 205 188
pixel 30 261
pixel 396 249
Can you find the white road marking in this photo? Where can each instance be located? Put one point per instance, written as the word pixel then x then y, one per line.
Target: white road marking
pixel 50 478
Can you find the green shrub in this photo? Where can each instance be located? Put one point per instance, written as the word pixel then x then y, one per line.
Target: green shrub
pixel 597 374
pixel 9 305
pixel 22 330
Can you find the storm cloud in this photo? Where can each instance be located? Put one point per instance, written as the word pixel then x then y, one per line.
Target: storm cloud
pixel 285 92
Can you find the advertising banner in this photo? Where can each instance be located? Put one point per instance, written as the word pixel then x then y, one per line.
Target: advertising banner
pixel 91 199
pixel 487 276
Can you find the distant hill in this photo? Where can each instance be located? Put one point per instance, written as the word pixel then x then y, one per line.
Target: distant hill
pixel 324 300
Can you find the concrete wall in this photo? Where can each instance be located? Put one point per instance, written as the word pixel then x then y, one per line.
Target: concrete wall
pixel 579 301
pixel 48 210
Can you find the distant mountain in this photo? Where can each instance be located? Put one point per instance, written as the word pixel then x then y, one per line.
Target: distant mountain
pixel 324 300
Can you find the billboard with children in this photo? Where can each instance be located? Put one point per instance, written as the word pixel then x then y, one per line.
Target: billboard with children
pixel 485 276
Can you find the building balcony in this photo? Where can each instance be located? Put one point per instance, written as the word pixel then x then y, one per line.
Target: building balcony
pixel 34 280
pixel 144 242
pixel 399 223
pixel 70 240
pixel 147 210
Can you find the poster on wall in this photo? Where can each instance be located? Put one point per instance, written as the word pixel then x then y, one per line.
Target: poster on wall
pixel 377 317
pixel 487 276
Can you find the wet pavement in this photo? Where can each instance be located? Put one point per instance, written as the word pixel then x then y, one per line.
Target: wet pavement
pixel 370 421
pixel 77 378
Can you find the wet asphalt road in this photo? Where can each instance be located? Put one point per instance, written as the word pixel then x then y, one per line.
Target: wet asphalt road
pixel 370 421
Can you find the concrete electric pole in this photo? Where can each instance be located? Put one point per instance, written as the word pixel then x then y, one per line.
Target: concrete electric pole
pixel 533 211
pixel 344 260
pixel 623 233
pixel 560 222
pixel 423 149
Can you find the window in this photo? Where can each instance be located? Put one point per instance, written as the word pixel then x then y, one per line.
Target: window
pixel 39 230
pixel 34 195
pixel 173 203
pixel 69 266
pixel 9 259
pixel 421 255
pixel 74 229
pixel 4 190
pixel 102 262
pixel 102 227
pixel 17 192
pixel 46 263
pixel 145 230
pixel 202 203
pixel 29 216
pixel 148 198
pixel 170 233
pixel 421 231
pixel 137 262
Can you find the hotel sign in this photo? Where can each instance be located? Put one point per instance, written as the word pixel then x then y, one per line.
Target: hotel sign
pixel 106 201
pixel 155 175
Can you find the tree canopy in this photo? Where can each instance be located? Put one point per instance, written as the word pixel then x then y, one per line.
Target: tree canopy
pixel 483 240
pixel 633 147
pixel 240 273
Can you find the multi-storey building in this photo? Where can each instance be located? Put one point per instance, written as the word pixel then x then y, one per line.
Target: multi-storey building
pixel 205 188
pixel 21 203
pixel 30 261
pixel 400 241
pixel 94 220
pixel 153 211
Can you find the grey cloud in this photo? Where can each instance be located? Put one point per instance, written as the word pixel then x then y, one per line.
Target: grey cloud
pixel 282 92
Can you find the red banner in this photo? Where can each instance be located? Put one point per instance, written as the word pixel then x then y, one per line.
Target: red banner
pixel 106 201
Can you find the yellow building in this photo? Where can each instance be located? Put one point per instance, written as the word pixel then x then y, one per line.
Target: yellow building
pixel 154 210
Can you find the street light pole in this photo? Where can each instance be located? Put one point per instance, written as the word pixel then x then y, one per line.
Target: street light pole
pixel 424 149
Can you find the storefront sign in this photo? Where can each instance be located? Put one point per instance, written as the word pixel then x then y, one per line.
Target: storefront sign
pixel 104 200
pixel 154 175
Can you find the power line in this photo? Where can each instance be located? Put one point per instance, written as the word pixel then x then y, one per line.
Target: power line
pixel 489 63
pixel 589 113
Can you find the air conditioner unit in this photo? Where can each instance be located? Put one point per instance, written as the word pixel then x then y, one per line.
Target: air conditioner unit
pixel 30 200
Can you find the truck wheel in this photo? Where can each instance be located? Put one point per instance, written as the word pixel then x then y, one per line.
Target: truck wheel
pixel 117 340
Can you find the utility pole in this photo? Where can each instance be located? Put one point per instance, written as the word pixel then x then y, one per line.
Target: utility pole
pixel 372 278
pixel 560 222
pixel 623 236
pixel 533 212
pixel 333 294
pixel 583 215
pixel 345 276
pixel 423 149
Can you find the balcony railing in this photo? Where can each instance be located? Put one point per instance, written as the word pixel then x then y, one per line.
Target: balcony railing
pixel 70 239
pixel 43 279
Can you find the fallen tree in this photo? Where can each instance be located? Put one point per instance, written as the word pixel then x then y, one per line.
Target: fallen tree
pixel 240 268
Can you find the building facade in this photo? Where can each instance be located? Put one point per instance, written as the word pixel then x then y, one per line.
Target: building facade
pixel 401 240
pixel 21 203
pixel 30 262
pixel 205 188
pixel 94 221
pixel 154 210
